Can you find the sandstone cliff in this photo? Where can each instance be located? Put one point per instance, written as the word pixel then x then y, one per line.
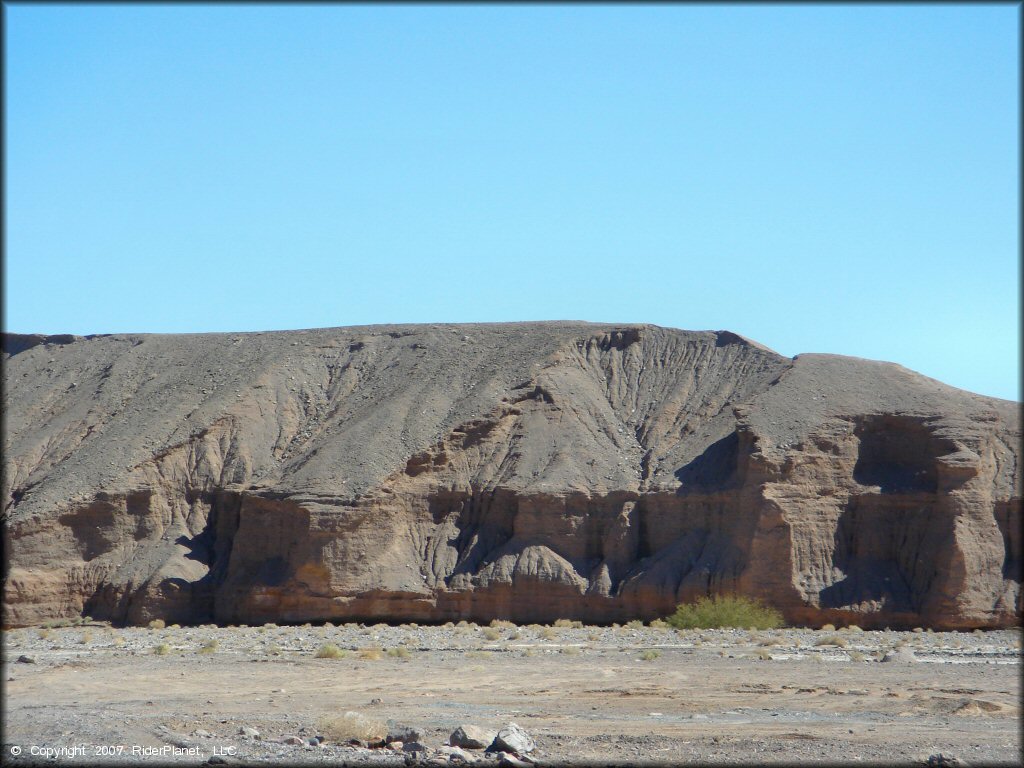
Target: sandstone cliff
pixel 528 471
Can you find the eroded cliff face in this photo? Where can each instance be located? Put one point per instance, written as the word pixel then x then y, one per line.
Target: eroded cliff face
pixel 523 471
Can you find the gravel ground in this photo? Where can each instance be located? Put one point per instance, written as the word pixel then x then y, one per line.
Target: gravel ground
pixel 587 695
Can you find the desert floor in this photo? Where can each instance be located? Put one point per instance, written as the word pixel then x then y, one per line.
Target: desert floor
pixel 588 695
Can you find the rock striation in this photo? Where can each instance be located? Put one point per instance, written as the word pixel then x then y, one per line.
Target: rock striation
pixel 527 471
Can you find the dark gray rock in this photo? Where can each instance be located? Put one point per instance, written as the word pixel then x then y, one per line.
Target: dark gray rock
pixel 471 737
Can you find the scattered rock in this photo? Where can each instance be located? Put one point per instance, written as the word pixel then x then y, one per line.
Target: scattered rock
pixel 294 741
pixel 200 733
pixel 945 761
pixel 512 738
pixel 471 737
pixel 457 754
pixel 413 746
pixel 26 660
pixel 249 733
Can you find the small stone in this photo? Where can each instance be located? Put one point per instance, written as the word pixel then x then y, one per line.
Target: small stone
pixel 376 701
pixel 216 760
pixel 200 733
pixel 26 660
pixel 294 741
pixel 248 732
pixel 512 738
pixel 471 737
pixel 413 746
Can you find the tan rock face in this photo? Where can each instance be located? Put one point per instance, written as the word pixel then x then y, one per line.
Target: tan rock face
pixel 524 471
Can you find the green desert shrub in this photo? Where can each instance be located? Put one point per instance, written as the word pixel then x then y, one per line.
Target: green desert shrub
pixel 650 655
pixel 162 650
pixel 725 611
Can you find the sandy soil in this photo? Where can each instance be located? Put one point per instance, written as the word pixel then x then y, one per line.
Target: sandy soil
pixel 587 695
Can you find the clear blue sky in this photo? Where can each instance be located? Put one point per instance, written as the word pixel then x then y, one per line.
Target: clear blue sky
pixel 820 178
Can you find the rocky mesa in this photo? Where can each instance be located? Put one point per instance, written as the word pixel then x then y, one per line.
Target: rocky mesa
pixel 526 471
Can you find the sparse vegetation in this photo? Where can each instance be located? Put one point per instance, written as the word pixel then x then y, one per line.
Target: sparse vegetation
pixel 210 646
pixel 399 653
pixel 725 611
pixel 570 650
pixel 634 624
pixel 351 726
pixel 658 624
pixel 157 624
pixel 491 634
pixel 502 624
pixel 650 654
pixel 371 654
pixel 835 640
pixel 828 627
pixel 568 624
pixel 548 633
pixel 85 638
pixel 162 650
pixel 479 655
pixel 856 656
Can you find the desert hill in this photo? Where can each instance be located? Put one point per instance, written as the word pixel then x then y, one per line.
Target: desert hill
pixel 530 471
